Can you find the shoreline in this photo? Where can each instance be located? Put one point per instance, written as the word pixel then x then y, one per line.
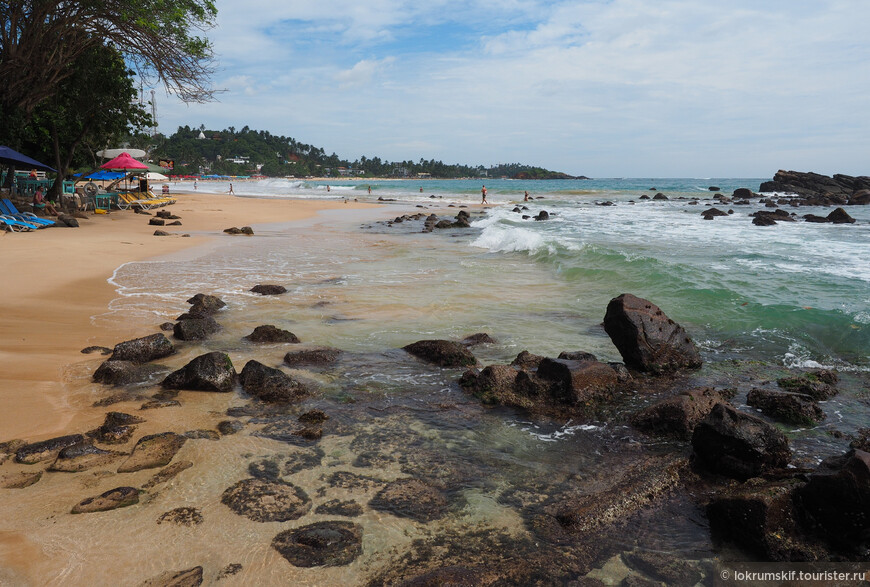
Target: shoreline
pixel 58 280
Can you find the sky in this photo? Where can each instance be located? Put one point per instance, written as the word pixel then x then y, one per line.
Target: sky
pixel 602 88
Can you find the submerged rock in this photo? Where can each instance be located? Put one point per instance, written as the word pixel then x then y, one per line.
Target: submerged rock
pixel 167 473
pixel 411 498
pixel 443 353
pixel 113 372
pixel 819 385
pixel 144 349
pixel 737 445
pixel 263 500
pixel 81 457
pixel 46 450
pixel 314 356
pixel 786 407
pixel 271 385
pixel 478 338
pixel 269 290
pixel 335 507
pixel 327 544
pixel 268 333
pixel 111 500
pixel 210 372
pixel 646 338
pixel 677 416
pixel 184 516
pixel 186 578
pixel 19 480
pixel 153 451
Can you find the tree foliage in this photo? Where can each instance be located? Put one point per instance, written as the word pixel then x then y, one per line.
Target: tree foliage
pixel 39 39
pixel 283 156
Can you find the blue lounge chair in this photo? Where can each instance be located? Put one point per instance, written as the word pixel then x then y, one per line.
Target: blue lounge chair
pixel 9 209
pixel 16 225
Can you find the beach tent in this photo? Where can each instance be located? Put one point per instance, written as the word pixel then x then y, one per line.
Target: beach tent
pixel 13 157
pixel 112 153
pixel 154 176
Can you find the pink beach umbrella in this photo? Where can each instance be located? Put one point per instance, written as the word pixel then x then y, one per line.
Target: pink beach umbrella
pixel 124 162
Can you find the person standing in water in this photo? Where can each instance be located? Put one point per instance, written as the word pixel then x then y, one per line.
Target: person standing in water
pixel 483 195
pixel 526 197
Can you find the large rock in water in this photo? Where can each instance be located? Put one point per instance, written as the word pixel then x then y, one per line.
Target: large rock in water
pixel 111 500
pixel 646 338
pixel 677 416
pixel 195 328
pixel 46 450
pixel 210 372
pixel 143 350
pixel 263 500
pixel 269 333
pixel 270 385
pixel 321 544
pixel 443 353
pixel 842 188
pixel 737 445
pixel 411 498
pixel 153 451
pixel 576 382
pixel 786 407
pixel 836 501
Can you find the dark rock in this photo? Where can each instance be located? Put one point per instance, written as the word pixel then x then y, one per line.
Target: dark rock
pixel 156 404
pixel 816 219
pixel 205 304
pixel 862 441
pixel 759 517
pixel 819 385
pixel 143 350
pixel 840 216
pixel 81 457
pixel 114 372
pixel 786 407
pixel 46 450
pixel 860 198
pixel 622 372
pixel 646 338
pixel 742 194
pixel 174 223
pixel 269 333
pixel 763 221
pixel 264 500
pixel 271 385
pixel 542 215
pixel 577 382
pixel 161 233
pixel 210 372
pixel 836 189
pixel 66 220
pixel 233 230
pixel 186 578
pixel 677 416
pixel 326 544
pixel 452 576
pixel 835 503
pixel 443 224
pixel 526 360
pixel 195 328
pixel 269 290
pixel 411 498
pixel 111 500
pixel 713 188
pixel 91 349
pixel 644 197
pixel 156 222
pixel 737 445
pixel 314 356
pixel 443 353
pixel 155 450
pixel 167 326
pixel 117 428
pixel 184 516
pixel 479 338
pixel 577 356
pixel 264 469
pixel 228 427
pixel 247 230
pixel 335 507
pixel 660 196
pixel 714 212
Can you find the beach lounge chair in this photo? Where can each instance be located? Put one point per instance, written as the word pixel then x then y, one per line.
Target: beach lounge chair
pixel 16 225
pixel 8 208
pixel 129 199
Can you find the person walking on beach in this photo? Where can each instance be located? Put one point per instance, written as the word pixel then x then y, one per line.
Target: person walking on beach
pixel 483 195
pixel 231 190
pixel 194 185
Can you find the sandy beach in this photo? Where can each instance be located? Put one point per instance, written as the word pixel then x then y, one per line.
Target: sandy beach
pixel 55 280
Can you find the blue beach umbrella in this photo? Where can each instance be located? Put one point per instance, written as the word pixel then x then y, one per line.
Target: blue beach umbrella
pixel 13 157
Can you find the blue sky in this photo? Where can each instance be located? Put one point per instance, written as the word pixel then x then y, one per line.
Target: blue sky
pixel 617 88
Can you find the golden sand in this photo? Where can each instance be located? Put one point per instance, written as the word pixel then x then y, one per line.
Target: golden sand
pixel 53 280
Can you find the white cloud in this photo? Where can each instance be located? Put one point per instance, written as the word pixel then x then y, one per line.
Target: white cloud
pixel 626 87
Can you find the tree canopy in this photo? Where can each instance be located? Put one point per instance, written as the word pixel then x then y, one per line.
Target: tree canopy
pixel 41 39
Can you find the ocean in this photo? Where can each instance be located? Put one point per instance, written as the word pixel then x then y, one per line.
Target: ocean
pixel 758 301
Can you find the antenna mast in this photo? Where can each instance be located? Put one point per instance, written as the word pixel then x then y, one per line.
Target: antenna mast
pixel 153 113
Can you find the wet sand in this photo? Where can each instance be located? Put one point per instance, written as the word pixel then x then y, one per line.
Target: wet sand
pixel 55 280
